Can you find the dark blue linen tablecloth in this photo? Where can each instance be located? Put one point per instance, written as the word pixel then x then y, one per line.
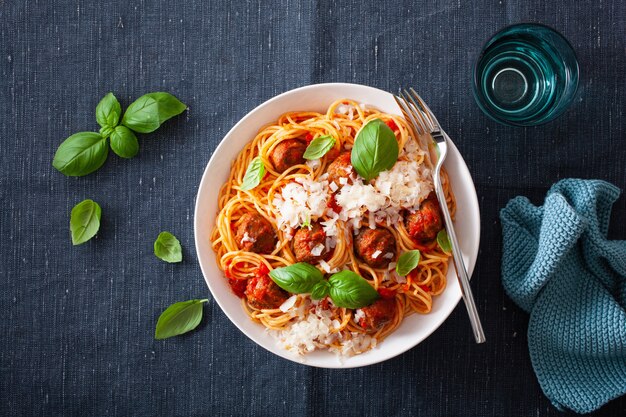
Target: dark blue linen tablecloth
pixel 77 327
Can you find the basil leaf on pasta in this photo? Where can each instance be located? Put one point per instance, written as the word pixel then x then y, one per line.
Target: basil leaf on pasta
pixel 179 318
pixel 254 174
pixel 350 290
pixel 297 278
pixel 443 241
pixel 375 149
pixel 319 147
pixel 320 290
pixel 167 248
pixel 407 262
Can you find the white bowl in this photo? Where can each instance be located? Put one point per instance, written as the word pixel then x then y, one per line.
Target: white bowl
pixel 414 328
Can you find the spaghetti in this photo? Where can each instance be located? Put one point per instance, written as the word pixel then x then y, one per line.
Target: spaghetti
pixel 300 323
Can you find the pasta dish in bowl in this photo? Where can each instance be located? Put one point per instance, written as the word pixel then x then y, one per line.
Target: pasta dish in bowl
pixel 323 237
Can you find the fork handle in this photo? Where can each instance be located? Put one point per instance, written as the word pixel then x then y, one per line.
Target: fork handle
pixel 461 271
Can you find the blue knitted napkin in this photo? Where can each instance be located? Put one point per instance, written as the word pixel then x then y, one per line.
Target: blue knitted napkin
pixel 558 265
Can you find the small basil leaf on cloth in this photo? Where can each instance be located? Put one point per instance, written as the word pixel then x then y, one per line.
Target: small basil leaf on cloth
pixel 319 147
pixel 407 262
pixel 124 142
pixel 375 149
pixel 81 154
pixel 254 174
pixel 179 318
pixel 146 114
pixel 84 221
pixel 320 290
pixel 167 248
pixel 108 111
pixel 443 241
pixel 298 278
pixel 350 290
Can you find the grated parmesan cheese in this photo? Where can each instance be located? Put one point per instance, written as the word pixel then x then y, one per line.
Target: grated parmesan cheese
pixel 319 330
pixel 376 254
pixel 317 250
pixel 325 266
pixel 405 185
pixel 288 304
pixel 300 201
pixel 247 238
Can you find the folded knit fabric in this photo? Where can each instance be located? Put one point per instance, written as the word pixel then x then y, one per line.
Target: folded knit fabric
pixel 558 265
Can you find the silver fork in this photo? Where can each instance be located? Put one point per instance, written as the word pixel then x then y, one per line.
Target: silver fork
pixel 425 122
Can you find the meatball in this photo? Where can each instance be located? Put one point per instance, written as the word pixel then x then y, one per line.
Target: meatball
pixel 288 153
pixel 339 168
pixel 377 247
pixel 306 242
pixel 255 234
pixel 376 315
pixel 425 223
pixel 263 293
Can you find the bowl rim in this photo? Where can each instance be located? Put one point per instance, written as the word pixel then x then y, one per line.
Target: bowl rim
pixel 473 201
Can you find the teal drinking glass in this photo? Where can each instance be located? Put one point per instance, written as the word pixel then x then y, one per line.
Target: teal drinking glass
pixel 526 74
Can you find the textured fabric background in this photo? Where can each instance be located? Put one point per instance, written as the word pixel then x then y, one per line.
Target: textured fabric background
pixel 78 321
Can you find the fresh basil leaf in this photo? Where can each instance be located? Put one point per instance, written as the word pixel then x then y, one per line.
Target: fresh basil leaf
pixel 443 241
pixel 124 142
pixel 108 111
pixel 106 131
pixel 254 174
pixel 84 221
pixel 167 248
pixel 350 290
pixel 146 114
pixel 320 290
pixel 375 149
pixel 297 278
pixel 407 262
pixel 81 154
pixel 179 318
pixel 142 115
pixel 319 147
pixel 169 106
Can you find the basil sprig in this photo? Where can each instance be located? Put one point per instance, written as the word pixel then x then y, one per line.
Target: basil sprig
pixel 407 262
pixel 320 290
pixel 167 248
pixel 375 149
pixel 179 318
pixel 254 174
pixel 346 288
pixel 444 241
pixel 85 221
pixel 319 147
pixel 84 152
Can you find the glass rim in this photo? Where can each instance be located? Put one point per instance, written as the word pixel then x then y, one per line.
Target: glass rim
pixel 484 47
